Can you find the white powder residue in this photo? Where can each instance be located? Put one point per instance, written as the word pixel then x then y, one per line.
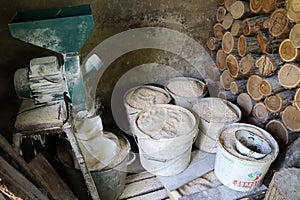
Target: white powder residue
pixel 146 96
pixel 216 110
pixel 166 122
pixel 186 87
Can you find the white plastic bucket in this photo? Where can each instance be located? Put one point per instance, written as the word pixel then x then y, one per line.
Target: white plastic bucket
pixel 132 111
pixel 211 121
pixel 186 90
pixel 165 156
pixel 239 172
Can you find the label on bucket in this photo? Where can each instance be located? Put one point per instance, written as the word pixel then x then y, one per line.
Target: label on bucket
pixel 254 179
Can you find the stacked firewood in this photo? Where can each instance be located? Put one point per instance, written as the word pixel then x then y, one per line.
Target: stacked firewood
pixel 256 43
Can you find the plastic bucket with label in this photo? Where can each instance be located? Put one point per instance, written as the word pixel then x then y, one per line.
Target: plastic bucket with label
pixel 240 172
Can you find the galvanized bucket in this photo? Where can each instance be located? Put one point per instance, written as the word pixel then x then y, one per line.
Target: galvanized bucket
pixel 110 181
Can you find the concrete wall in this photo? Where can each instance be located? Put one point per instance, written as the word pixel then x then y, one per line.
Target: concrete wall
pixel 193 17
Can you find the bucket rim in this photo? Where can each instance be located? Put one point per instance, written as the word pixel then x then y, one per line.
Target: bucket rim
pixel 146 136
pixel 232 105
pixel 169 98
pixel 274 144
pixel 203 84
pixel 128 149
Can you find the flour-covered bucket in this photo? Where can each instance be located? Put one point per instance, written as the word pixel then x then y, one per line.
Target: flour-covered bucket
pixel 186 90
pixel 213 114
pixel 240 172
pixel 142 97
pixel 165 135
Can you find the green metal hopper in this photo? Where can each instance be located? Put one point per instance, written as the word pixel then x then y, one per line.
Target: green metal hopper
pixel 63 30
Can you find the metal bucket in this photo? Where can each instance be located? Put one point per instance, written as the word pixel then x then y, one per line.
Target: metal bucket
pixel 210 125
pixel 165 156
pixel 131 111
pixel 110 181
pixel 185 84
pixel 237 171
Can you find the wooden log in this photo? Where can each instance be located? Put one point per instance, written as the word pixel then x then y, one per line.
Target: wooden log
pixel 238 86
pixel 232 65
pixel 256 6
pixel 261 113
pixel 247 45
pixel 226 79
pixel 270 86
pixel 266 23
pixel 293 10
pixel 228 4
pixel 220 2
pixel 229 43
pixel 237 27
pixel 213 43
pixel 268 64
pixel 278 130
pixel 254 121
pixel 228 96
pixel 279 24
pixel 54 185
pixel 17 183
pixel 240 10
pixel 245 103
pixel 254 24
pixel 277 102
pixel 280 191
pixel 253 85
pixel 267 44
pixel 287 51
pixel 294 35
pixel 297 99
pixel 268 6
pixel 289 75
pixel 218 31
pixel 291 118
pixel 227 21
pixel 247 64
pixel 221 60
pixel 221 12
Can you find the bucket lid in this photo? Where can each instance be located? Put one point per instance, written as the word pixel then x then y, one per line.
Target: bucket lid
pixel 186 87
pixel 141 97
pixel 165 121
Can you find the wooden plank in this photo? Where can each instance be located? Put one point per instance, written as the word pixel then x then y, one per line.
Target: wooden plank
pixel 50 179
pixel 221 192
pixel 141 187
pixel 138 177
pixel 201 163
pixel 159 194
pixel 17 183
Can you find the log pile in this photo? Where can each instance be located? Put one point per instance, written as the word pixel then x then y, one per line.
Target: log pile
pixel 256 43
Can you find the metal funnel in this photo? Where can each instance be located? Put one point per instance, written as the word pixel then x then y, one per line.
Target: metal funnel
pixel 63 30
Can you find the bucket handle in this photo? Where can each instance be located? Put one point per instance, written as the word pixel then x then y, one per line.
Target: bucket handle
pixel 132 159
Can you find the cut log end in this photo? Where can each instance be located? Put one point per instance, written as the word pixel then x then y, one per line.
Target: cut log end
pixel 240 9
pixel 253 85
pixel 291 118
pixel 277 129
pixel 228 42
pixel 255 6
pixel 213 43
pixel 226 79
pixel 295 35
pixel 227 21
pixel 260 112
pixel 297 99
pixel 269 6
pixel 279 23
pixel 274 103
pixel 287 51
pixel 242 45
pixel 289 75
pixel 221 60
pixel 218 31
pixel 262 42
pixel 245 103
pixel 265 65
pixel 237 28
pixel 232 65
pixel 221 12
pixel 265 88
pixel 246 64
pixel 293 7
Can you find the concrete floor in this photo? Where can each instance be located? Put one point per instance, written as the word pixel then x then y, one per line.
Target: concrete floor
pixel 192 17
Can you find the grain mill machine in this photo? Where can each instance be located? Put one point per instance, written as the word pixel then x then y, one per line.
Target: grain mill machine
pixel 47 85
